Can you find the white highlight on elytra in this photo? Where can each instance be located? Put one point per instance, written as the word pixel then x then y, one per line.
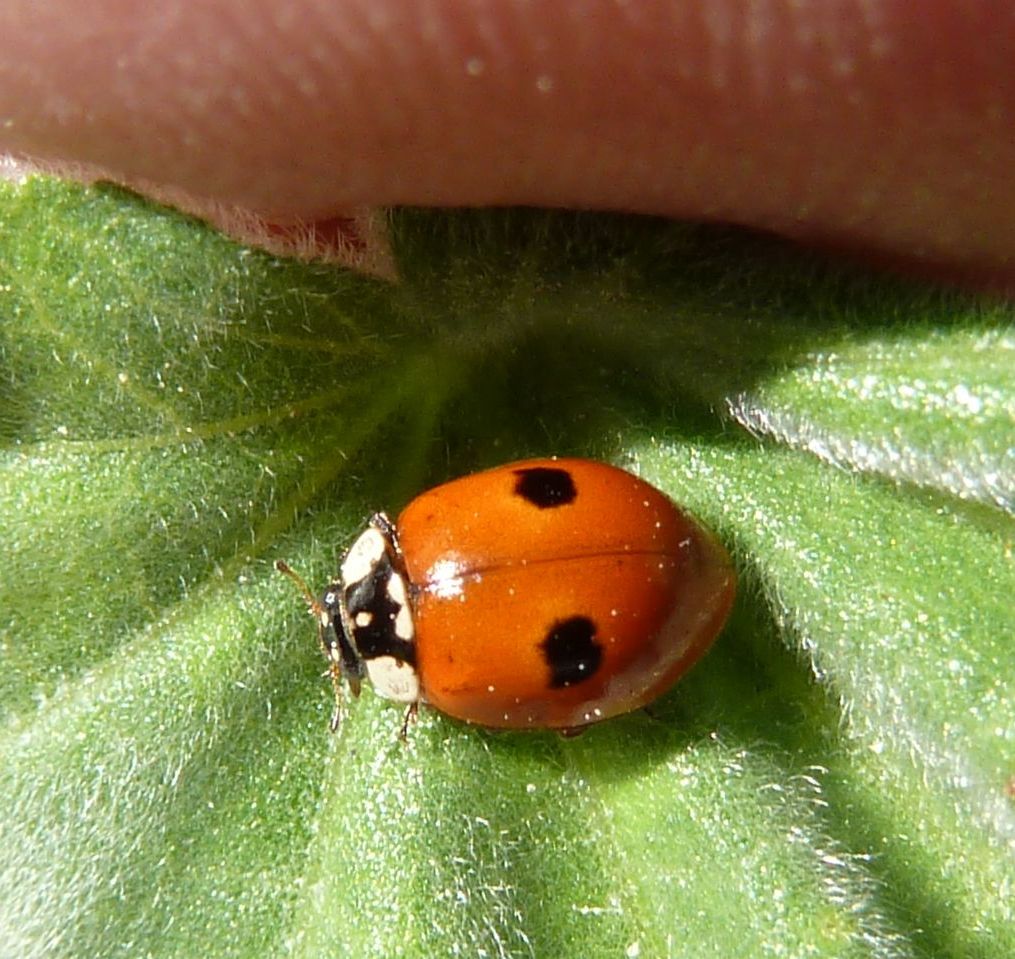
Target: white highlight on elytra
pixel 393 679
pixel 363 556
pixel 444 579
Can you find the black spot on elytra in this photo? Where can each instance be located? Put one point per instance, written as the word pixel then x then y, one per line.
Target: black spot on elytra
pixel 377 638
pixel 571 651
pixel 545 486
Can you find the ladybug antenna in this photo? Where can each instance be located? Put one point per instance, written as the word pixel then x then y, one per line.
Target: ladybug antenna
pixel 317 611
pixel 301 584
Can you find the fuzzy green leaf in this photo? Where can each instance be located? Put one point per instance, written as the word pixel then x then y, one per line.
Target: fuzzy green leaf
pixel 837 777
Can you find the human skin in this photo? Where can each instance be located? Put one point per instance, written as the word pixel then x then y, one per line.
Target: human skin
pixel 883 128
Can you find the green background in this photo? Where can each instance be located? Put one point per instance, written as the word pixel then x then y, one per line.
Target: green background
pixel 836 778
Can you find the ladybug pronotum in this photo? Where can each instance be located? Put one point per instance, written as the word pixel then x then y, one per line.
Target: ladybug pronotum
pixel 548 593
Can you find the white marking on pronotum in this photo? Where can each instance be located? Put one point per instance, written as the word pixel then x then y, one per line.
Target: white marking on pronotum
pixel 363 556
pixel 364 618
pixel 393 679
pixel 404 628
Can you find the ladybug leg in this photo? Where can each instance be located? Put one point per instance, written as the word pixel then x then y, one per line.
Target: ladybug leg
pixel 651 713
pixel 336 713
pixel 411 715
pixel 335 672
pixel 332 649
pixel 570 732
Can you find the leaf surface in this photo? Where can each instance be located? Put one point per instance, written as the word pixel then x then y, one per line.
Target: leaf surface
pixel 835 779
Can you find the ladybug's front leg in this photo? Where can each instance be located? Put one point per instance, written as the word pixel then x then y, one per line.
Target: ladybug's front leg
pixel 411 715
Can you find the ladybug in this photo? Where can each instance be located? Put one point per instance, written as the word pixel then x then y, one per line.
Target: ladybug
pixel 547 593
